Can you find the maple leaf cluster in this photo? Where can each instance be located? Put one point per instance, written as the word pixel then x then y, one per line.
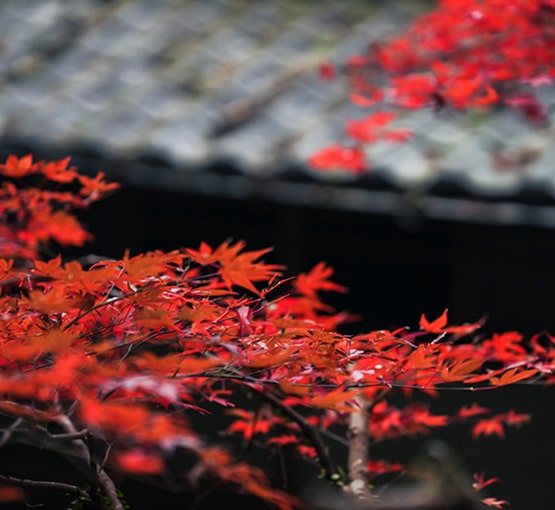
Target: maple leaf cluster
pixel 464 54
pixel 128 350
pixel 32 216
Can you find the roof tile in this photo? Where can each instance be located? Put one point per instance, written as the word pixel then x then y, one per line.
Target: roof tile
pixel 197 81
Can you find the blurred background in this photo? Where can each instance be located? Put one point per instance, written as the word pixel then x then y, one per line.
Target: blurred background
pixel 207 111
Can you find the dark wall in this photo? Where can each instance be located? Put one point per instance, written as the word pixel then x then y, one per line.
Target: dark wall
pixel 393 274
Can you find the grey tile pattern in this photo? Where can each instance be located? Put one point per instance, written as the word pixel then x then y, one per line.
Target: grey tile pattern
pixel 235 80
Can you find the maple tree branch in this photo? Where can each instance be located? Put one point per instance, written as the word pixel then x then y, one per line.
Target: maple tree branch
pixel 310 432
pixel 333 436
pixel 9 431
pixel 109 301
pixel 103 479
pixel 43 484
pixel 64 437
pixel 358 434
pixel 387 385
pixel 16 280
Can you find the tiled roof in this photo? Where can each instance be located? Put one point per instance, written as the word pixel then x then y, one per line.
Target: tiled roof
pixel 193 83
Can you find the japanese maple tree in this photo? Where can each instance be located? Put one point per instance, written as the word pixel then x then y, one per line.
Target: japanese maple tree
pixel 108 361
pixel 110 358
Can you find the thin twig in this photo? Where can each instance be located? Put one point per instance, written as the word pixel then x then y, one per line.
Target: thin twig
pixel 43 484
pixel 8 432
pixel 310 432
pixel 61 437
pixel 333 436
pixel 385 384
pixel 112 300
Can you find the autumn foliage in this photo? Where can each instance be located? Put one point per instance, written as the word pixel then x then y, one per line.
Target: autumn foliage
pixel 124 354
pixel 465 54
pixel 128 350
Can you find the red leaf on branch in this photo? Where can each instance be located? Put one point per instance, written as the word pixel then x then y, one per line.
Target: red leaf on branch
pixel 481 482
pixel 53 301
pixel 373 127
pixel 516 419
pixel 489 427
pixel 315 280
pixel 58 171
pixel 422 416
pixel 461 369
pixel 97 187
pixel 472 410
pixel 489 98
pixel 309 451
pixel 398 135
pixel 512 376
pixel 283 440
pixel 242 269
pixel 495 503
pixel 62 228
pixel 438 326
pixel 139 462
pixel 380 467
pixel 327 71
pixel 338 400
pixel 364 101
pixel 336 157
pixel 18 167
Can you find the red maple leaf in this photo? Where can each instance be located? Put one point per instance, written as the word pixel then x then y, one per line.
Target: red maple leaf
pixel 337 157
pixel 140 462
pixel 481 482
pixel 495 503
pixel 472 410
pixel 18 167
pixel 327 71
pixel 58 171
pixel 315 280
pixel 489 427
pixel 96 187
pixel 439 325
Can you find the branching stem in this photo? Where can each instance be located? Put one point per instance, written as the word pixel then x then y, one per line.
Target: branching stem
pixel 43 484
pixel 311 433
pixel 102 478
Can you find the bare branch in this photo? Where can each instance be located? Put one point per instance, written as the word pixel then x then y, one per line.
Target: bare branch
pixel 82 434
pixel 9 431
pixel 105 482
pixel 43 484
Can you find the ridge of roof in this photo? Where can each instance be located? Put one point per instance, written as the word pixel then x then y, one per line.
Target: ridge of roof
pixel 235 81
